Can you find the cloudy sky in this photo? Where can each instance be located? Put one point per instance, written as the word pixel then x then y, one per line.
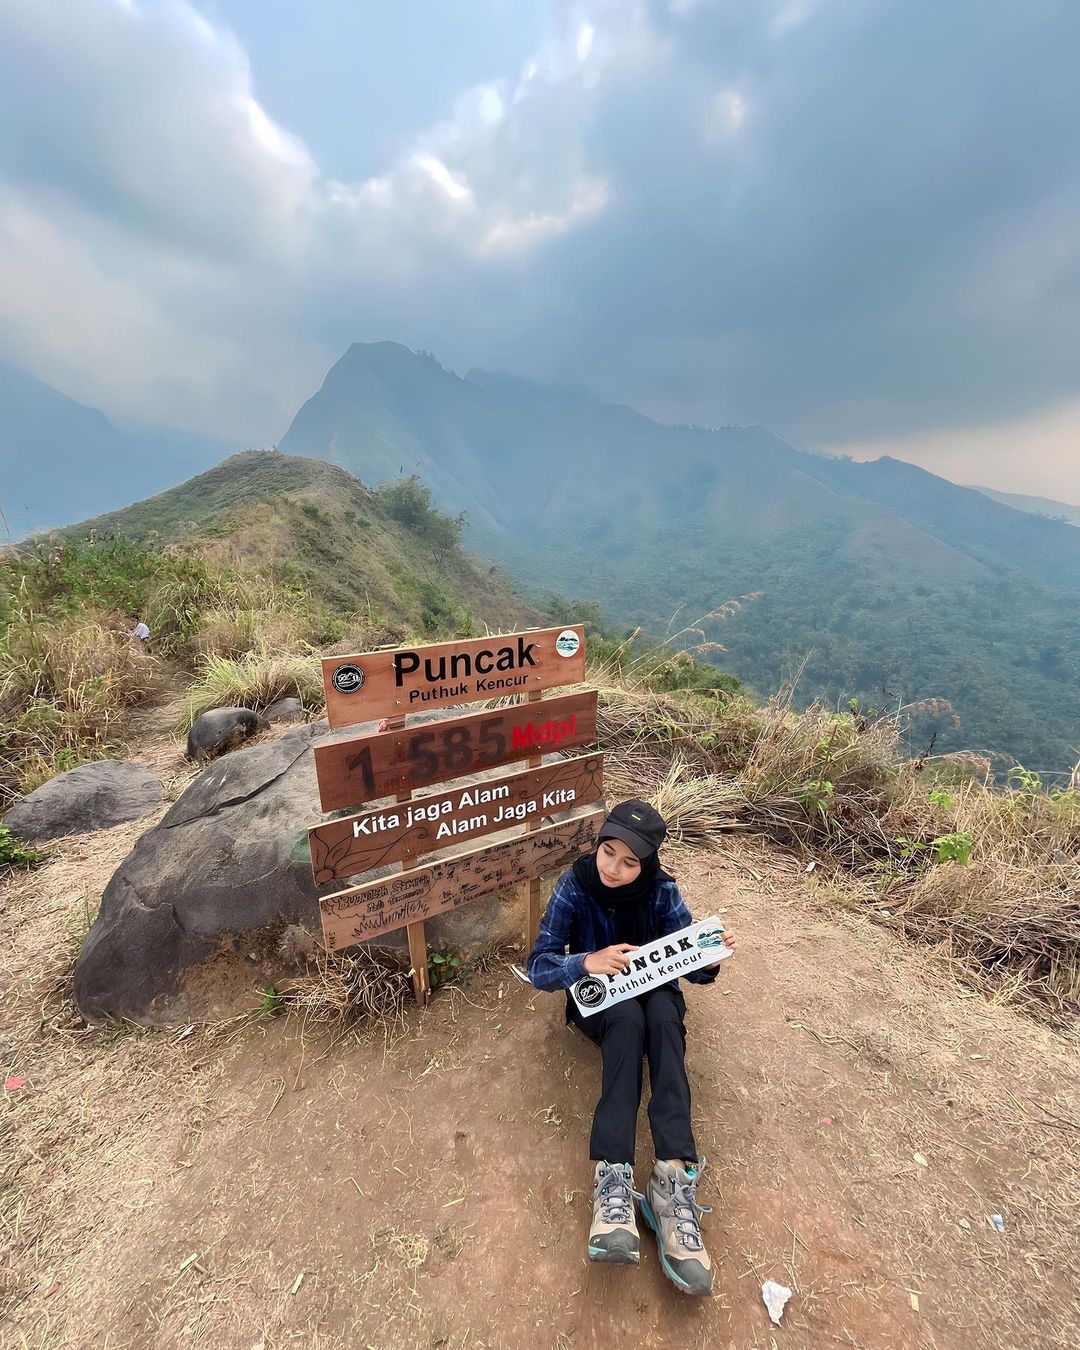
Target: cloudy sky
pixel 854 221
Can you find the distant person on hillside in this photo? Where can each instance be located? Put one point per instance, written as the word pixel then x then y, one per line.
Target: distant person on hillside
pixel 609 903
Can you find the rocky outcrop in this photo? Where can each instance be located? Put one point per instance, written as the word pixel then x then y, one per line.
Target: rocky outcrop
pixel 225 871
pixel 91 797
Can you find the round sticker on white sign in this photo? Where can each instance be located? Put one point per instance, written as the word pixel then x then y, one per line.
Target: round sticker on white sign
pixel 567 643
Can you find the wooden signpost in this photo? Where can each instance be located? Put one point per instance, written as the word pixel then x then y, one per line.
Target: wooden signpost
pixel 394 681
pixel 362 768
pixel 398 759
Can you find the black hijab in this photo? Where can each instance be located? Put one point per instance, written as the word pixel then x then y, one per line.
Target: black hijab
pixel 630 905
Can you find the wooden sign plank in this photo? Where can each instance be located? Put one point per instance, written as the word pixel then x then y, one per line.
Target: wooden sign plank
pixel 369 911
pixel 402 832
pixel 363 768
pixel 400 680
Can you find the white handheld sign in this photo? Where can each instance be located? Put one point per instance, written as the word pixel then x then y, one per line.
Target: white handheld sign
pixel 656 963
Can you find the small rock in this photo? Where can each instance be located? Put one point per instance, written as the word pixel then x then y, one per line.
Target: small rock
pixel 221 729
pixel 91 797
pixel 284 710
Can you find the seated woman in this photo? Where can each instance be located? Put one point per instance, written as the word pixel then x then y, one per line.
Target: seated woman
pixel 608 904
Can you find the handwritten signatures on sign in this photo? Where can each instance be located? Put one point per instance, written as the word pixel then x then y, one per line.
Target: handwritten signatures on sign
pixel 368 911
pixel 405 830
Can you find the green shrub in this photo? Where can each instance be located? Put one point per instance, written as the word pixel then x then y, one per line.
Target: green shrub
pixel 14 853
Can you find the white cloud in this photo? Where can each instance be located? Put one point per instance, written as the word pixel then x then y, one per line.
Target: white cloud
pixel 154 211
pixel 725 116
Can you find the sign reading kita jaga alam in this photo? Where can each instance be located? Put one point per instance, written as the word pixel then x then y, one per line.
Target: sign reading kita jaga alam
pixel 401 832
pixel 389 682
pixel 385 768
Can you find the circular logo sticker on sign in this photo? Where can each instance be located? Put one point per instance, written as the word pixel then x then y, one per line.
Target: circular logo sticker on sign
pixel 347 679
pixel 710 937
pixel 567 643
pixel 590 991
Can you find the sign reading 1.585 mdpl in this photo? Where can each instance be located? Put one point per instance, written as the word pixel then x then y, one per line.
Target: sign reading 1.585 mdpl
pixel 404 831
pixel 396 681
pixel 351 772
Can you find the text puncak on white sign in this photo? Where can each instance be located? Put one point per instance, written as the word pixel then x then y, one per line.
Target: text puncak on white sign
pixel 655 963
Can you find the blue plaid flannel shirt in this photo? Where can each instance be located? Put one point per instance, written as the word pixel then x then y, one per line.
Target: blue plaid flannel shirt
pixel 575 925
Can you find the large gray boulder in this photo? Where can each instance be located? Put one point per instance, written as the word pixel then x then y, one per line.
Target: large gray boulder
pixel 221 729
pixel 195 914
pixel 91 797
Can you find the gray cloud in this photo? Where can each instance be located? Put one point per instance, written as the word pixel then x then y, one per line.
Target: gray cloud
pixel 847 219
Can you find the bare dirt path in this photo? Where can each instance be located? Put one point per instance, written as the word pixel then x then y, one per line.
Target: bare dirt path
pixel 269 1187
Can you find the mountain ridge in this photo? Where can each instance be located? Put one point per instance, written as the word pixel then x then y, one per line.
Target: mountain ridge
pixel 885 574
pixel 315 525
pixel 59 457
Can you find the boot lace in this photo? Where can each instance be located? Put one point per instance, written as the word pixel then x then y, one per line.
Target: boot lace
pixel 687 1211
pixel 616 1197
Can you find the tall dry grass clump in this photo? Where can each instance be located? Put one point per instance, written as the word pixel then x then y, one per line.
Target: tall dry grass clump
pixel 65 688
pixel 254 680
pixel 1003 904
pixel 988 877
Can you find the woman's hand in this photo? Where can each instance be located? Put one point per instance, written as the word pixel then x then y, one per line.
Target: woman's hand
pixel 610 960
pixel 729 941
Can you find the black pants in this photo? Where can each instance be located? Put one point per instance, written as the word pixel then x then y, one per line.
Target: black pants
pixel 650 1025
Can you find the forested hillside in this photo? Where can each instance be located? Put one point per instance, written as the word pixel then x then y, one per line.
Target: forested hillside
pixel 895 585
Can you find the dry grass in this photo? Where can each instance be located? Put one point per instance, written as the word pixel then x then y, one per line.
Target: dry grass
pixel 343 988
pixel 833 788
pixel 254 680
pixel 66 688
pixel 232 631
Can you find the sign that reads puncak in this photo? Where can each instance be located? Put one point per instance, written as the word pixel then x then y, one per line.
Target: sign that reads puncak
pixel 654 963
pixel 391 682
pixel 346 847
pixel 369 911
pixel 351 772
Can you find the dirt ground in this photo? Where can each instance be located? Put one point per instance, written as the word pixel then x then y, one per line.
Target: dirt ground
pixel 261 1184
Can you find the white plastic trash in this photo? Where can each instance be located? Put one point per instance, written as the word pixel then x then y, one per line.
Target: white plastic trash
pixel 775 1297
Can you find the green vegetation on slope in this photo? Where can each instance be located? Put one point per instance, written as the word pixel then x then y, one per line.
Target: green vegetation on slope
pixel 240 575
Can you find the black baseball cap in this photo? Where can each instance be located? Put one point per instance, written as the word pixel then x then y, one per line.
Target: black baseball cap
pixel 637 824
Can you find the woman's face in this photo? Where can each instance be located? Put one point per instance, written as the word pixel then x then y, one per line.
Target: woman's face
pixel 616 862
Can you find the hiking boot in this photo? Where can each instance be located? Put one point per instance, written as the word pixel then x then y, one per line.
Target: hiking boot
pixel 670 1208
pixel 614 1236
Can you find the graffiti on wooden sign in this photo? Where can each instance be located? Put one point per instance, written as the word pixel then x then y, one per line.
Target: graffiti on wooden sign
pixel 386 683
pixel 405 830
pixel 363 768
pixel 369 911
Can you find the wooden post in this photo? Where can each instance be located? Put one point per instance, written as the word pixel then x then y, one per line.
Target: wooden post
pixel 418 952
pixel 532 901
